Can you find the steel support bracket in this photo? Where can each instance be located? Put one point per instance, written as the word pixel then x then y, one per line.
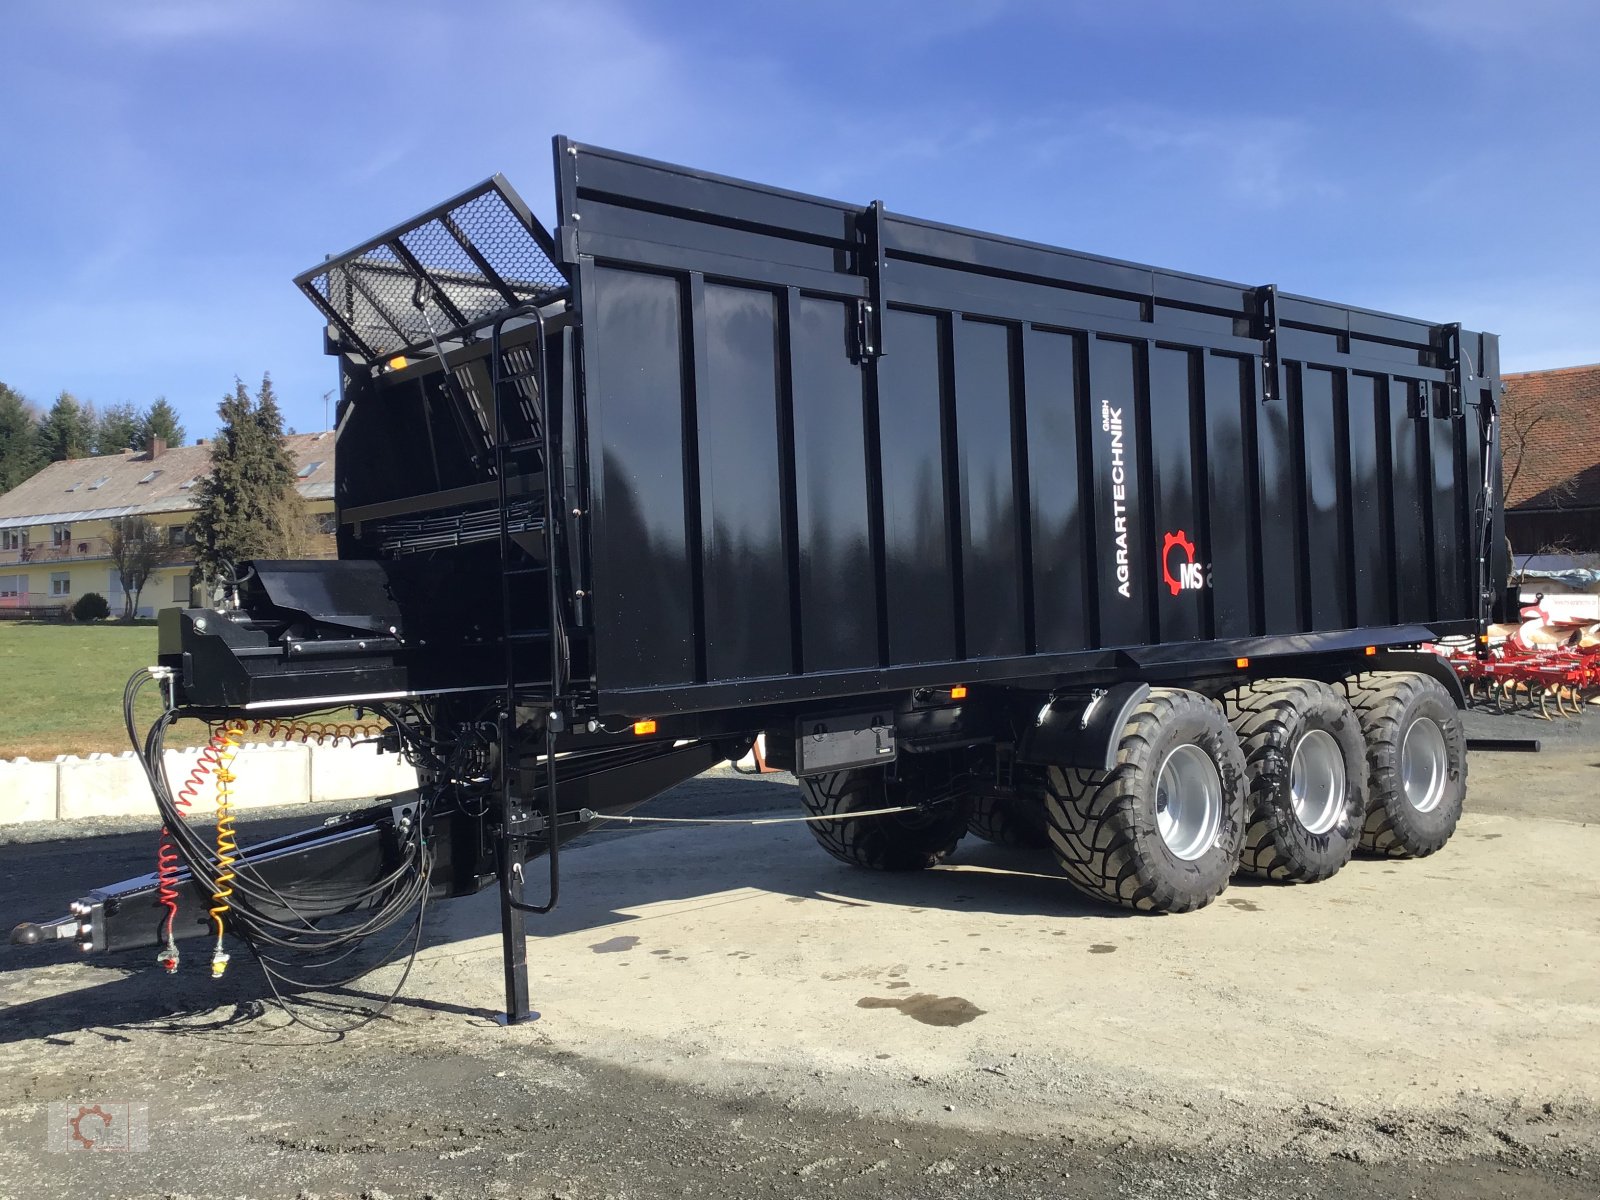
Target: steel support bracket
pixel 1267 331
pixel 1447 342
pixel 870 260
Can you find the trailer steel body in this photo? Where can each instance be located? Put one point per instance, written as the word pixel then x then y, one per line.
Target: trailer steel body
pixel 710 459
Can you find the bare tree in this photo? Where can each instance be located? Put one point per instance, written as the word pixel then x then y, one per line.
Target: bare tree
pixel 136 551
pixel 1518 420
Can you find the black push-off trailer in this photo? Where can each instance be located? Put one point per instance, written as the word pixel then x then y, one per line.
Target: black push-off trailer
pixel 980 534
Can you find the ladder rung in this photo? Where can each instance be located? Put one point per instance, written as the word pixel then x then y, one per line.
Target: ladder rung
pixel 529 635
pixel 525 570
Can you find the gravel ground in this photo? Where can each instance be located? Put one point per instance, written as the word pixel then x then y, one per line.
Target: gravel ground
pixel 729 1013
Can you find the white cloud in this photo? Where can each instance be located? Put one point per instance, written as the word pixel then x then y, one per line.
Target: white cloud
pixel 1498 27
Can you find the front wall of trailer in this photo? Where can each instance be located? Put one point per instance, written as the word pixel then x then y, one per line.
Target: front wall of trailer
pixel 1030 467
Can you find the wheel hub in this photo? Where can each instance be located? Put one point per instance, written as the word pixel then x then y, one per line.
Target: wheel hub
pixel 1188 802
pixel 1317 781
pixel 1424 765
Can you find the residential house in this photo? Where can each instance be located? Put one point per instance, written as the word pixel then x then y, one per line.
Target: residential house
pixel 55 527
pixel 1550 459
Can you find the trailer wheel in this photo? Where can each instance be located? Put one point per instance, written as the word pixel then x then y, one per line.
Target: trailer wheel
pixel 1162 830
pixel 1306 760
pixel 1416 762
pixel 912 841
pixel 1015 818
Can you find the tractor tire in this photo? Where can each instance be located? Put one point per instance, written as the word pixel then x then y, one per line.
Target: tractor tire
pixel 1416 762
pixel 1014 818
pixel 912 841
pixel 1307 761
pixel 1162 830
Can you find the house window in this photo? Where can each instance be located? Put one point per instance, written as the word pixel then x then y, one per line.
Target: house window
pixel 327 523
pixel 100 483
pixel 60 535
pixel 310 469
pixel 180 588
pixel 178 535
pixel 14 539
pixel 150 477
pixel 60 583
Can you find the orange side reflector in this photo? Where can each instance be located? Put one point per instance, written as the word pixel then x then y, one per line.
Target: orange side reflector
pixel 1241 663
pixel 398 361
pixel 1484 638
pixel 1371 650
pixel 959 692
pixel 641 728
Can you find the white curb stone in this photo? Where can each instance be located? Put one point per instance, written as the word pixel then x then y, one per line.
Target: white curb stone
pixel 27 791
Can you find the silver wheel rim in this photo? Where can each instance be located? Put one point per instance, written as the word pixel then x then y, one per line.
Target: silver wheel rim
pixel 1424 765
pixel 1188 802
pixel 1317 781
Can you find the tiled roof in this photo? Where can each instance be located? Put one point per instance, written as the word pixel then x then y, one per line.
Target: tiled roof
pixel 66 491
pixel 1550 425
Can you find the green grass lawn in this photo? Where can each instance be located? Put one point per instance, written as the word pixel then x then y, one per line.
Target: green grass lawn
pixel 63 686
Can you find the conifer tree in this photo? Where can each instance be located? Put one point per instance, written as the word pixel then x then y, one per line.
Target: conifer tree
pixel 160 420
pixel 67 430
pixel 19 442
pixel 117 429
pixel 247 506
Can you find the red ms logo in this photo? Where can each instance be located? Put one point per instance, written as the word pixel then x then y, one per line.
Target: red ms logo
pixel 1179 571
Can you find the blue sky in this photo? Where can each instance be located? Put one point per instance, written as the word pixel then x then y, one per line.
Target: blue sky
pixel 166 166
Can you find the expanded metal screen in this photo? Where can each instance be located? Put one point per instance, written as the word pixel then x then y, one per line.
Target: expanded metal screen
pixel 448 270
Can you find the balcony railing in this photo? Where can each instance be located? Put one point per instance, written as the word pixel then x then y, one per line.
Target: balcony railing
pixel 82 549
pixel 88 550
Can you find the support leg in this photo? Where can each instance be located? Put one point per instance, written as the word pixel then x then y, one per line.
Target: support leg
pixel 513 937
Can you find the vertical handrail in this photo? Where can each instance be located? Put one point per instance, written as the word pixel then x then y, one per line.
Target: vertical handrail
pixel 510 865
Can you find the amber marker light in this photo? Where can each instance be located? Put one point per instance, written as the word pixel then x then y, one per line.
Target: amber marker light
pixel 1371 651
pixel 1241 663
pixel 641 728
pixel 959 692
pixel 398 361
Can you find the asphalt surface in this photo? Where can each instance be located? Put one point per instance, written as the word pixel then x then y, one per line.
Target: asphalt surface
pixel 729 1013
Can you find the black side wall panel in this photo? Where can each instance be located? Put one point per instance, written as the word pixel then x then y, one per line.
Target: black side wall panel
pixel 1230 427
pixel 741 492
pixel 1413 545
pixel 991 552
pixel 1055 477
pixel 1182 538
pixel 1278 473
pixel 1325 557
pixel 641 553
pixel 916 495
pixel 1116 370
pixel 838 593
pixel 1366 422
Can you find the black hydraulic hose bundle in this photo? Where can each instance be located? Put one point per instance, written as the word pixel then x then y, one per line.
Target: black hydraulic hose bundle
pixel 252 901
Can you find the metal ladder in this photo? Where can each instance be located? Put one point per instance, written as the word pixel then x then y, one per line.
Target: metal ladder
pixel 517 827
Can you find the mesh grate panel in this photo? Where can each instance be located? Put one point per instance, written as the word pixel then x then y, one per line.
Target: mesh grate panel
pixel 453 267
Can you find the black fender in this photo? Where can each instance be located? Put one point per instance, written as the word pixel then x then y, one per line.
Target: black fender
pixel 1080 729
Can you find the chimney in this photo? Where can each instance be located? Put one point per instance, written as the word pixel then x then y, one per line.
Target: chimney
pixel 158 447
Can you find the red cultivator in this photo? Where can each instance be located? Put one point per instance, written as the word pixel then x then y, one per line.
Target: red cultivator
pixel 1537 664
